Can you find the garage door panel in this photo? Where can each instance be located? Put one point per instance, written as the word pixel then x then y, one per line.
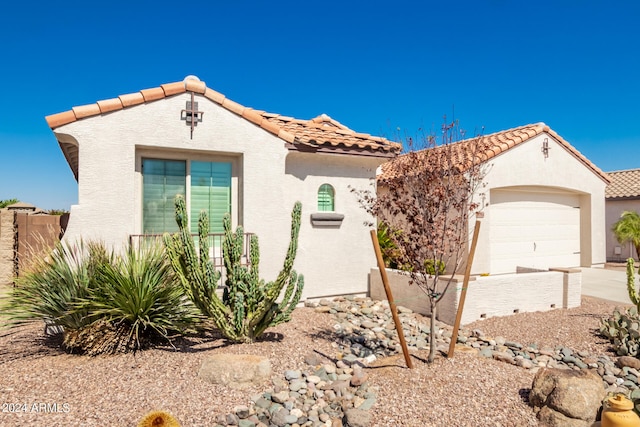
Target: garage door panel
pixel 531 230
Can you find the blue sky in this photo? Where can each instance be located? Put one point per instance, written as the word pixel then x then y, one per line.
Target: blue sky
pixel 374 66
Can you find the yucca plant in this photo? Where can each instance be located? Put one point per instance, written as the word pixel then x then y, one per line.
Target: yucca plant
pixel 105 303
pixel 54 284
pixel 135 299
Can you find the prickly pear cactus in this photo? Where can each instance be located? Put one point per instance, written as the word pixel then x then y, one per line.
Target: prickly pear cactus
pixel 248 305
pixel 623 331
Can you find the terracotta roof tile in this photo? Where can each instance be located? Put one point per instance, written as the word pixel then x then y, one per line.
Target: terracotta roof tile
pixel 624 184
pixel 495 144
pixel 86 110
pixel 318 134
pixel 193 84
pixel 173 88
pixel 108 105
pixel 233 106
pixel 60 119
pixel 131 99
pixel 152 94
pixel 216 97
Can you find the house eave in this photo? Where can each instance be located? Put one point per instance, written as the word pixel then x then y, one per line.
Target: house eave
pixel 306 148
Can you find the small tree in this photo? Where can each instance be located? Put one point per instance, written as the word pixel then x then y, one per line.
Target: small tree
pixel 7 202
pixel 429 193
pixel 627 229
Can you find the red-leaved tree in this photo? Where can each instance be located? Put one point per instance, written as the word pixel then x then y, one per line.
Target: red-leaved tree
pixel 427 196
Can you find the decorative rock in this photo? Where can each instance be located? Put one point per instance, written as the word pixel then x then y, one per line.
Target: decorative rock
pixel 241 411
pixel 566 397
pixel 503 356
pixel 630 361
pixel 359 377
pixel 235 370
pixel 357 418
pixel 280 397
pixel 313 359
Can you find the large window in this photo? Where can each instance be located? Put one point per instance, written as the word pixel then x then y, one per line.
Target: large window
pixel 210 191
pixel 209 188
pixel 162 180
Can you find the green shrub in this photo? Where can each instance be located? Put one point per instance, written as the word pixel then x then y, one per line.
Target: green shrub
pixel 55 283
pixel 105 303
pixel 135 299
pixel 431 269
pixel 623 331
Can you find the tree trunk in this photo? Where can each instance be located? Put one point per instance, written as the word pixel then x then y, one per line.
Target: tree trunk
pixel 432 331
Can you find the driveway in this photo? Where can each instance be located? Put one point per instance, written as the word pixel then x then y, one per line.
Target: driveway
pixel 606 284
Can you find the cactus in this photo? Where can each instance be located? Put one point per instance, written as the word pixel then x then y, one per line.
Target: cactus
pixel 631 283
pixel 158 419
pixel 248 305
pixel 623 331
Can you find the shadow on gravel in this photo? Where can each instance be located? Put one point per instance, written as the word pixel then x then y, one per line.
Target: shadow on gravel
pixel 28 341
pixel 524 395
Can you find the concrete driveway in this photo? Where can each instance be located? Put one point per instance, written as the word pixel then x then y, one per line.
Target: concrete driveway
pixel 606 284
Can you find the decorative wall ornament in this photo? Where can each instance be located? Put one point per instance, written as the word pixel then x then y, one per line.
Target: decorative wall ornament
pixel 191 115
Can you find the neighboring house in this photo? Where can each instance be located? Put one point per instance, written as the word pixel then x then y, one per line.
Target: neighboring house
pixel 622 194
pixel 543 204
pixel 132 154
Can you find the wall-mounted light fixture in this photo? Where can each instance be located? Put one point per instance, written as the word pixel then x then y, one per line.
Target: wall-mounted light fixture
pixel 191 115
pixel 545 147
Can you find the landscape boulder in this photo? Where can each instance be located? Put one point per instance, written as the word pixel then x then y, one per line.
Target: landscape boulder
pixel 566 398
pixel 237 371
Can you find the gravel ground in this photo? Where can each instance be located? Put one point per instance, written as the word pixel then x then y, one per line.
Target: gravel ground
pixel 119 390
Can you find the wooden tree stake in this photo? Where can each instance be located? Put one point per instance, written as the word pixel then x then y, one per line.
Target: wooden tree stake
pixel 392 304
pixel 463 294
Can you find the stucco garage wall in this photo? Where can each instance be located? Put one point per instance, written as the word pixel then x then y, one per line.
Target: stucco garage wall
pixel 489 296
pixel 525 168
pixel 268 179
pixel 614 209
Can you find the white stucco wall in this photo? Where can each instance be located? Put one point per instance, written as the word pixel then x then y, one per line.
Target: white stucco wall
pixel 524 168
pixel 614 209
pixel 489 296
pixel 267 181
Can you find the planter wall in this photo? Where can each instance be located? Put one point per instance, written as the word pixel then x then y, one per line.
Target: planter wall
pixel 487 296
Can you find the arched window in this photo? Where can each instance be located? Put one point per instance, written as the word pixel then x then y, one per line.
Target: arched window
pixel 326 198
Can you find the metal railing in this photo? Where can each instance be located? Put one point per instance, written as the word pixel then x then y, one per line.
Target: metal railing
pixel 215 248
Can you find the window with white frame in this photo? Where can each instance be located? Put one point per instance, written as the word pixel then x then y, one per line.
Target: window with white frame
pixel 205 185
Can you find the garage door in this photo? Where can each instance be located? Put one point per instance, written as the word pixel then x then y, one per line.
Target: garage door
pixel 533 229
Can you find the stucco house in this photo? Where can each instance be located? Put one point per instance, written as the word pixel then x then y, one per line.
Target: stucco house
pixel 622 194
pixel 132 154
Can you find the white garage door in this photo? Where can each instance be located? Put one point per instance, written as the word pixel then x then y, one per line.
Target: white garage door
pixel 534 230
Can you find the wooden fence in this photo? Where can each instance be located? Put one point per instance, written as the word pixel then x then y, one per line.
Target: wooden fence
pixel 23 237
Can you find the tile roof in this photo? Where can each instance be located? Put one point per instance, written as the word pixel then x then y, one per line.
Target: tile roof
pixel 319 134
pixel 624 184
pixel 492 145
